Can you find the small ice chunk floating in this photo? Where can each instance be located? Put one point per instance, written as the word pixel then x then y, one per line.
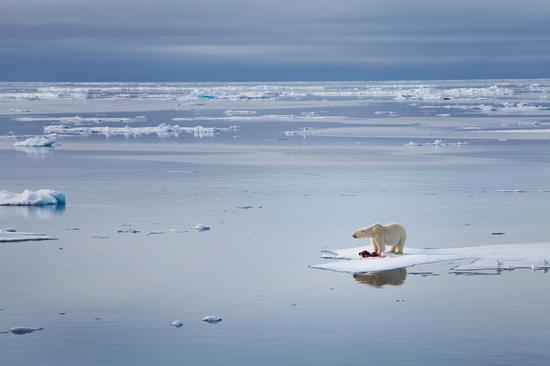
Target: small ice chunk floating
pixel 176 323
pixel 200 227
pixel 213 319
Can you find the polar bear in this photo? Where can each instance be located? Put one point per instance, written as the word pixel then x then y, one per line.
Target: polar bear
pixel 393 235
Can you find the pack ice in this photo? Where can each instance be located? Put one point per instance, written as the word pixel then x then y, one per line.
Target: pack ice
pixel 41 197
pixel 466 260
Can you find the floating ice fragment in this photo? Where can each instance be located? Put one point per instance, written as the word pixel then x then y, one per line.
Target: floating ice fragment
pixel 178 230
pixel 161 130
pixel 436 143
pixel 12 236
pixel 245 207
pixel 304 131
pixel 131 231
pixel 467 260
pixel 41 197
pixel 38 141
pixel 23 330
pixel 176 323
pixel 155 233
pixel 213 319
pixel 200 227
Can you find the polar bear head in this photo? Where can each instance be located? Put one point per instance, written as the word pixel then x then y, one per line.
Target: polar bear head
pixel 368 232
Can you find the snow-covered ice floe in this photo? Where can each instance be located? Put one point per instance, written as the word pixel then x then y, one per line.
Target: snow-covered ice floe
pixel 162 129
pixel 41 197
pixel 12 236
pixel 465 260
pixel 37 141
pixel 437 143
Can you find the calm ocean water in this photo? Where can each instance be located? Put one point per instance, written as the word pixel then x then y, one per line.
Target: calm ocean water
pixel 107 298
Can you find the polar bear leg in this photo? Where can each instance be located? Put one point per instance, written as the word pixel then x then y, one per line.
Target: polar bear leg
pixel 400 246
pixel 379 246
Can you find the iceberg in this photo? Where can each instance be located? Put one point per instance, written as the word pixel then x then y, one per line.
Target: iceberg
pixel 463 260
pixel 12 236
pixel 38 141
pixel 41 197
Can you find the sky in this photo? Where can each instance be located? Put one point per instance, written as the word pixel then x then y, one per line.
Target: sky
pixel 283 40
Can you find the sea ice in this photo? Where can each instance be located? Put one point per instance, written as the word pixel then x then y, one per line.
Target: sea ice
pixel 11 236
pixel 200 227
pixel 493 258
pixel 212 319
pixel 305 131
pixel 80 120
pixel 22 330
pixel 37 141
pixel 41 197
pixel 161 130
pixel 176 323
pixel 437 143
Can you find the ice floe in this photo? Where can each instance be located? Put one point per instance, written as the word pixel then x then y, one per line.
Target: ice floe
pixel 161 130
pixel 212 319
pixel 200 227
pixel 12 236
pixel 485 259
pixel 41 197
pixel 176 323
pixel 304 131
pixel 37 141
pixel 22 330
pixel 437 142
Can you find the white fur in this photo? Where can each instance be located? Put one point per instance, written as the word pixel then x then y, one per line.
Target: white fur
pixel 393 235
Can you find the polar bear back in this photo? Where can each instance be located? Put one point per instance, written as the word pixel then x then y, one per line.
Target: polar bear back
pixel 393 234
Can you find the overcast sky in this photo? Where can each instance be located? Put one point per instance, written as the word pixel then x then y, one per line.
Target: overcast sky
pixel 211 40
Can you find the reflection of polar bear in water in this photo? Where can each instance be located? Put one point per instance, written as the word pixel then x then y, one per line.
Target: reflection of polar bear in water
pixel 393 235
pixel 394 277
